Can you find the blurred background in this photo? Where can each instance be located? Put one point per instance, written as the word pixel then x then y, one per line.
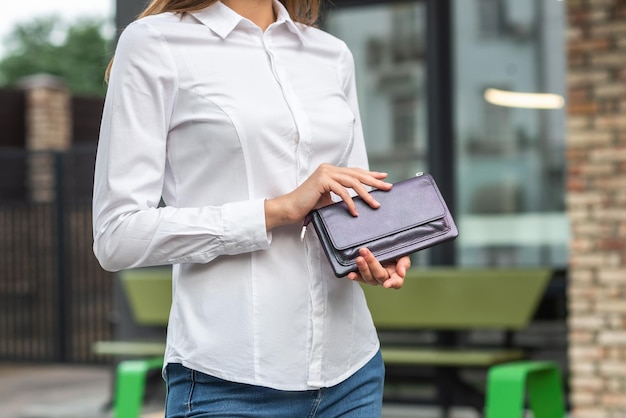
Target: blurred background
pixel 514 106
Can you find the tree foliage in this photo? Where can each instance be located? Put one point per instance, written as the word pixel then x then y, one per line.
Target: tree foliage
pixel 76 52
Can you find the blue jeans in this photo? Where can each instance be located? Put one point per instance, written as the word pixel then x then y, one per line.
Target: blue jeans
pixel 194 394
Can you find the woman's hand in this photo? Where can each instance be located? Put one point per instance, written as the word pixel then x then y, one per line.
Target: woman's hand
pixel 390 276
pixel 315 193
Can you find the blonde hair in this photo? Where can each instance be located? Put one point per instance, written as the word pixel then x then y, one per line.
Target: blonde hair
pixel 303 11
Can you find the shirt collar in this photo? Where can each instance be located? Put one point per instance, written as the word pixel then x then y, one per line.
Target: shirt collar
pixel 222 20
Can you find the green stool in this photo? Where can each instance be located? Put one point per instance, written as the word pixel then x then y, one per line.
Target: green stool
pixel 507 384
pixel 130 384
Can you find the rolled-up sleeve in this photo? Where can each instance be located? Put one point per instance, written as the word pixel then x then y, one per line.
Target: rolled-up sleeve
pixel 130 229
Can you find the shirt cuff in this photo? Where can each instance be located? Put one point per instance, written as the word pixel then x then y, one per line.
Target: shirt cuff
pixel 244 227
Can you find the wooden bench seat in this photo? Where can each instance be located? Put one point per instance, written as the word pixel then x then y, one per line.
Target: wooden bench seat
pixel 129 348
pixel 457 357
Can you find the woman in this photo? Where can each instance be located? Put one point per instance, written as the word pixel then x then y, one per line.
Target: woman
pixel 242 119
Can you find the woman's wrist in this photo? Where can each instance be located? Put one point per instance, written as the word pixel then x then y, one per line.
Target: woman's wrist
pixel 276 213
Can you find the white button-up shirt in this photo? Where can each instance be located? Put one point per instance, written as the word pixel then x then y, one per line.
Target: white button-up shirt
pixel 214 115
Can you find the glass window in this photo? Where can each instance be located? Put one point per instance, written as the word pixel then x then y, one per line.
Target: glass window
pixel 387 41
pixel 509 79
pixel 491 15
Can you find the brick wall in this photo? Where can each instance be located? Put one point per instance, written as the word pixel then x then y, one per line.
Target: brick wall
pixel 596 199
pixel 48 128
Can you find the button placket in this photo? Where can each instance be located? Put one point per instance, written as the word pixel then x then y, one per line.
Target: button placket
pixel 317 288
pixel 302 137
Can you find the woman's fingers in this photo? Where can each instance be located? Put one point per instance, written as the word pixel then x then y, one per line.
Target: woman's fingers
pixel 315 192
pixel 372 272
pixel 341 180
pixel 396 279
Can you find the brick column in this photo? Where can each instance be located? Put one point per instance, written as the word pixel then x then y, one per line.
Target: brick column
pixel 596 201
pixel 48 128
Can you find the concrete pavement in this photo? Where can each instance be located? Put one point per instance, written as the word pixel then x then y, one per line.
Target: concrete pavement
pixel 58 391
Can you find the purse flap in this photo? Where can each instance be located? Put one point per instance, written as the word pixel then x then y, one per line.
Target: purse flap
pixel 409 203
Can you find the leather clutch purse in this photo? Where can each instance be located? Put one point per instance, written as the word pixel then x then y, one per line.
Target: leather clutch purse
pixel 412 216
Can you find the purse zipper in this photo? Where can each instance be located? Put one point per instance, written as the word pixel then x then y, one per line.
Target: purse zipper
pixel 305 223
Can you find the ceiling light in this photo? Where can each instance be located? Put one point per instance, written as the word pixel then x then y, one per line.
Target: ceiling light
pixel 524 100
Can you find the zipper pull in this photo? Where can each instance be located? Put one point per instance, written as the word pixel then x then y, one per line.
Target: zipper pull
pixel 305 223
pixel 419 173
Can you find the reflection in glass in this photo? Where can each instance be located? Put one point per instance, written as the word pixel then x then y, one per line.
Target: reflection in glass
pixel 510 160
pixel 387 41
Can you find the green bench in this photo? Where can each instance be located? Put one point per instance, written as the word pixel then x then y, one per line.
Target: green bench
pixel 449 300
pixel 449 303
pixel 149 295
pixel 512 385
